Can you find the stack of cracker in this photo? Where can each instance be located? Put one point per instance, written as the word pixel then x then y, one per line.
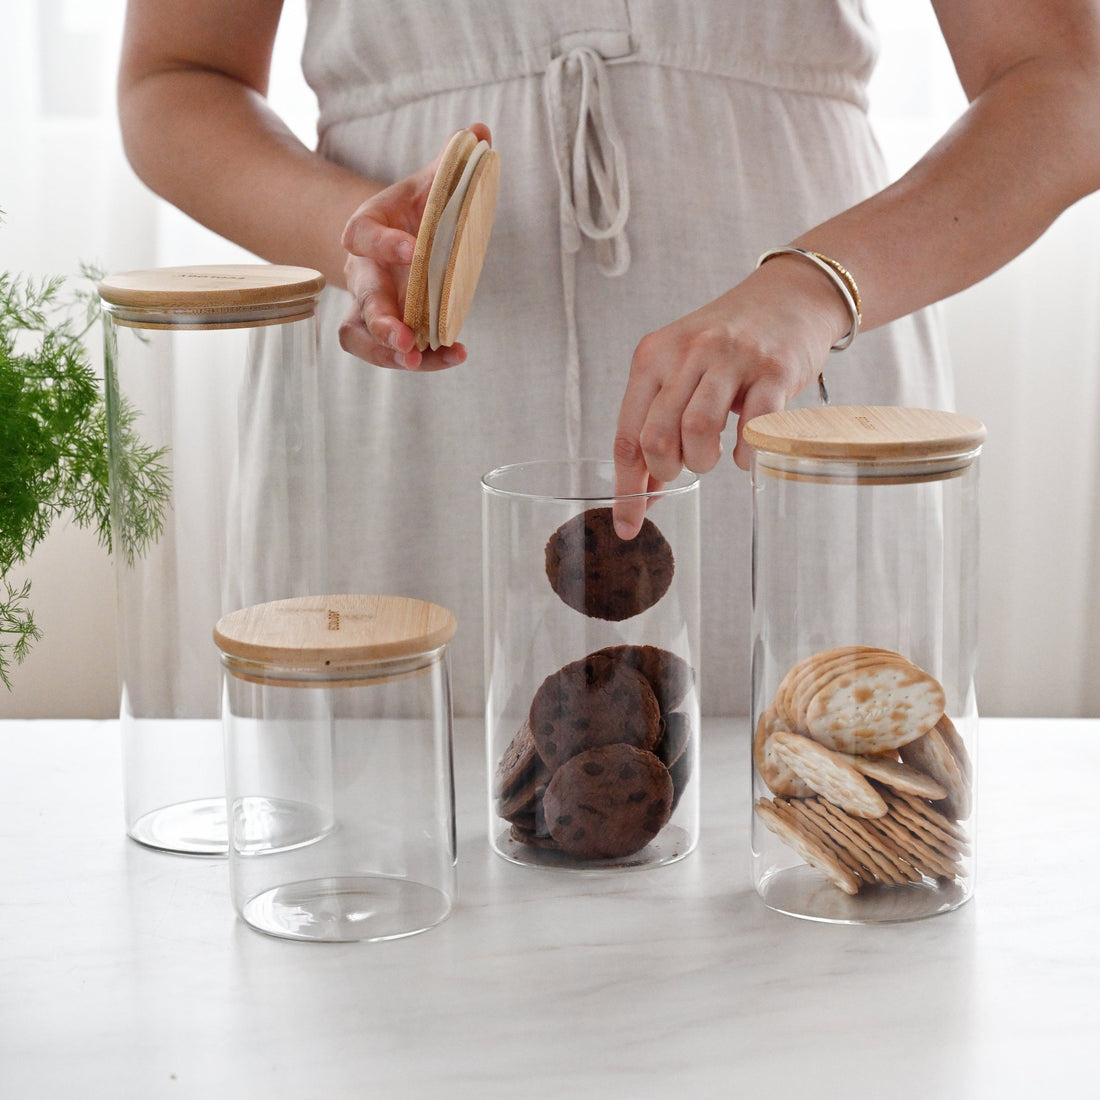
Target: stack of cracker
pixel 870 777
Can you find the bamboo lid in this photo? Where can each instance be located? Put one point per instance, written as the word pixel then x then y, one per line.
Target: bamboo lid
pixel 891 442
pixel 334 634
pixel 211 295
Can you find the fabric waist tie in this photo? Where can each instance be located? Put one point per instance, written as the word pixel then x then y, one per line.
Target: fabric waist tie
pixel 594 191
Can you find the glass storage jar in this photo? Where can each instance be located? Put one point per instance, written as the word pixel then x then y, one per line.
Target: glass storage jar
pixel 339 776
pixel 591 652
pixel 864 708
pixel 217 502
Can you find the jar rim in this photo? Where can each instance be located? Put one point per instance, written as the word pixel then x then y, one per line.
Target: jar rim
pixel 685 482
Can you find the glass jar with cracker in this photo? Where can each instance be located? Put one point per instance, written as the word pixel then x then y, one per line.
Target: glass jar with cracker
pixel 865 606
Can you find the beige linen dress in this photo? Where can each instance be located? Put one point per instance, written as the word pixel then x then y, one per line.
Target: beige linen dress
pixel 651 151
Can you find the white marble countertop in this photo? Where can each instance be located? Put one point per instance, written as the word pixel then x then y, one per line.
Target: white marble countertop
pixel 124 973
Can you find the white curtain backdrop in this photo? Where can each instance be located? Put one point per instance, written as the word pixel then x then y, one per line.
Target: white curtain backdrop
pixel 1026 345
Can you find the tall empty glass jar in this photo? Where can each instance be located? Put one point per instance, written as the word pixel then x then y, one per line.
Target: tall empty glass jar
pixel 591 652
pixel 865 719
pixel 217 498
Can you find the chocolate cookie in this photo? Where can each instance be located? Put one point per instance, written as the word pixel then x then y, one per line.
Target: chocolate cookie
pixel 605 577
pixel 675 735
pixel 675 751
pixel 591 702
pixel 670 676
pixel 520 778
pixel 533 838
pixel 608 802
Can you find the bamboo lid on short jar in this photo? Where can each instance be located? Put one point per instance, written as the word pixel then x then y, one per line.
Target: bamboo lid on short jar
pixel 331 639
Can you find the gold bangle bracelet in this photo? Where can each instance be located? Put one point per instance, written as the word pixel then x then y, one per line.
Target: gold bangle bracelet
pixel 846 275
pixel 840 277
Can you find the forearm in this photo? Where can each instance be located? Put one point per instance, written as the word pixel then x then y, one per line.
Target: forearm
pixel 212 146
pixel 1028 146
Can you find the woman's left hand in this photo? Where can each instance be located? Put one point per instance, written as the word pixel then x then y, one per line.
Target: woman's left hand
pixel 747 353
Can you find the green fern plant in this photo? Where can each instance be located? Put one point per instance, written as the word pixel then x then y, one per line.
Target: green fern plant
pixel 53 443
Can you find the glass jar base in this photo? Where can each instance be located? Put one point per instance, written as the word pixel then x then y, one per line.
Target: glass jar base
pixel 671 845
pixel 347 909
pixel 194 828
pixel 265 826
pixel 803 892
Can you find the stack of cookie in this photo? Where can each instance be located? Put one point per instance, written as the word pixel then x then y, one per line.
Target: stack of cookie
pixel 870 777
pixel 598 767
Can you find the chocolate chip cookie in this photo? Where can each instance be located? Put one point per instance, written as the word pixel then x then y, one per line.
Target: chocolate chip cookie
pixel 592 702
pixel 608 802
pixel 605 577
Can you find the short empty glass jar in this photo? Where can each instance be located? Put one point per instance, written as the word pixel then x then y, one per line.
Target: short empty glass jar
pixel 339 775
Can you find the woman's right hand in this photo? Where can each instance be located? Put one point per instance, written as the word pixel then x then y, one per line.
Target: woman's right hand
pixel 379 239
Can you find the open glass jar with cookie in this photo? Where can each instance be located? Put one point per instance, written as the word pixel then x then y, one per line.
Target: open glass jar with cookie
pixel 863 665
pixel 591 652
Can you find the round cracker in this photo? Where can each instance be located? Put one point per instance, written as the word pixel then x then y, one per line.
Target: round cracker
pixel 892 868
pixel 933 816
pixel 898 776
pixel 816 853
pixel 840 665
pixel 810 667
pixel 876 864
pixel 875 708
pixel 920 855
pixel 955 743
pixel 777 775
pixel 932 755
pixel 828 773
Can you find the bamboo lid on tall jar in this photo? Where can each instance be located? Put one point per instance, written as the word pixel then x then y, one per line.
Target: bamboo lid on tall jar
pixel 211 296
pixel 865 443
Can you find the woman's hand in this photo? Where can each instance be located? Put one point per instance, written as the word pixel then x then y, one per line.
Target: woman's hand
pixel 380 238
pixel 748 353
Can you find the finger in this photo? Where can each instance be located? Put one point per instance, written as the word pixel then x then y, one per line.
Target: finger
pixel 680 409
pixel 765 396
pixel 365 236
pixel 376 302
pixel 357 340
pixel 704 419
pixel 632 475
pixel 662 433
pixel 442 358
